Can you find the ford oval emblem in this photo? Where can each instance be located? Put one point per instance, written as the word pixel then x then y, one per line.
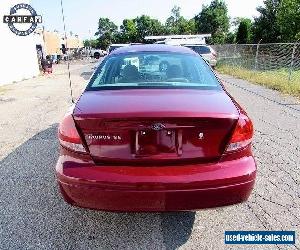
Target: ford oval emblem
pixel 157 126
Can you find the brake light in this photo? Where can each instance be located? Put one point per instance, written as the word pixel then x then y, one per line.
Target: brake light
pixel 68 135
pixel 242 135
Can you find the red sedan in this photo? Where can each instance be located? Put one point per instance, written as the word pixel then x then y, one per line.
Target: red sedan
pixel 155 131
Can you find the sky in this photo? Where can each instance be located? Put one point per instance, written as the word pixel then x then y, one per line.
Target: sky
pixel 81 16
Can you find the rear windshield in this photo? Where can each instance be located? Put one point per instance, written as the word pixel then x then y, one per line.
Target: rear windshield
pixel 153 70
pixel 200 49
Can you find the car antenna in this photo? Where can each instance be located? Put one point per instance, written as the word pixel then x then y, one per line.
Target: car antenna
pixel 66 44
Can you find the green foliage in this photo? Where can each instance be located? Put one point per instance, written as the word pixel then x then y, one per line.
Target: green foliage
pixel 94 43
pixel 243 34
pixel 278 21
pixel 230 38
pixel 172 21
pixel 86 43
pixel 214 19
pixel 288 19
pixel 131 30
pixel 146 26
pixel 128 31
pixel 185 26
pixel 106 32
pixel 178 25
pixel 265 26
pixel 106 26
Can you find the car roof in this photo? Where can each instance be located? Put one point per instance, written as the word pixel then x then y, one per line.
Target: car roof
pixel 153 48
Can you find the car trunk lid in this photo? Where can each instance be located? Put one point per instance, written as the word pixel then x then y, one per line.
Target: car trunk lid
pixel 155 126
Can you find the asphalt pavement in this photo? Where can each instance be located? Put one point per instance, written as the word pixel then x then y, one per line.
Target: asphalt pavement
pixel 34 216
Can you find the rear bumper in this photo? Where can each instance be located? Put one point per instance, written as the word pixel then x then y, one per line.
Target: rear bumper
pixel 168 200
pixel 125 188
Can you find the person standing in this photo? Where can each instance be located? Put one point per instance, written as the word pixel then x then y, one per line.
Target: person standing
pixel 47 65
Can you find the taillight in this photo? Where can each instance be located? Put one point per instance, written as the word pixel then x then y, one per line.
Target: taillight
pixel 242 135
pixel 68 135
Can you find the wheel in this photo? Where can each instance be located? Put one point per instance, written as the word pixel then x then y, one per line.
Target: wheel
pixel 96 55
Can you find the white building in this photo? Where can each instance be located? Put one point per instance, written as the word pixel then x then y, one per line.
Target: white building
pixel 18 56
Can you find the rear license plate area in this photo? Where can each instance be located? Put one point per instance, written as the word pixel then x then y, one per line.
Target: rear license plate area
pixel 166 142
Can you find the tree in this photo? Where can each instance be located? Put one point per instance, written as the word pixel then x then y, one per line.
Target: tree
pixel 177 24
pixel 86 43
pixel 243 34
pixel 230 38
pixel 213 19
pixel 265 26
pixel 129 31
pixel 172 21
pixel 93 43
pixel 105 26
pixel 146 26
pixel 288 20
pixel 156 27
pixel 186 26
pixel 106 32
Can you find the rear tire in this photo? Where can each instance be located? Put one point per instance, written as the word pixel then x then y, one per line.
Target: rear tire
pixel 96 55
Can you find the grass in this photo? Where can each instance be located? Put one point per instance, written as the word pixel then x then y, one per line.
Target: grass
pixel 275 79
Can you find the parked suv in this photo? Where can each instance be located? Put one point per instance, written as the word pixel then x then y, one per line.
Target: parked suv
pixel 205 51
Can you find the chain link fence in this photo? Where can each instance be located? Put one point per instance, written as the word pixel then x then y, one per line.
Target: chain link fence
pixel 261 57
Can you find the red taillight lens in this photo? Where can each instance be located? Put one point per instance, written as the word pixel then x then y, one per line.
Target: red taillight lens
pixel 242 135
pixel 68 135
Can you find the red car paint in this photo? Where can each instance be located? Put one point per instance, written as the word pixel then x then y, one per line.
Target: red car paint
pixel 155 150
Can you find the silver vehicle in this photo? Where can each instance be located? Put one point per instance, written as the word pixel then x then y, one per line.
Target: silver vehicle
pixel 205 51
pixel 97 53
